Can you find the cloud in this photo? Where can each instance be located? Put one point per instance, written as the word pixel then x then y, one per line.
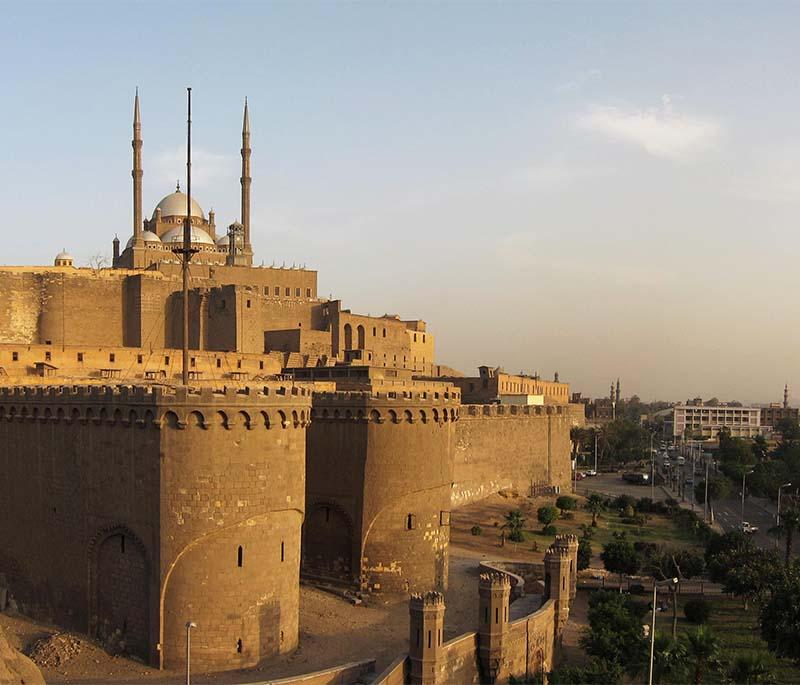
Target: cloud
pixel 207 167
pixel 661 132
pixel 579 81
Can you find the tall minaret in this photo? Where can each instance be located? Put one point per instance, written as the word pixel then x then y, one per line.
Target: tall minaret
pixel 617 390
pixel 137 171
pixel 786 396
pixel 246 181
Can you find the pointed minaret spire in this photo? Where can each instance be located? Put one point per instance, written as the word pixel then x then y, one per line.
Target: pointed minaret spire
pixel 137 172
pixel 786 396
pixel 246 181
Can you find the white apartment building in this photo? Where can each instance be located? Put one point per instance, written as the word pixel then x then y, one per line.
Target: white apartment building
pixel 705 422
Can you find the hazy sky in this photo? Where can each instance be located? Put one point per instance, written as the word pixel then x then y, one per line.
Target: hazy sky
pixel 603 189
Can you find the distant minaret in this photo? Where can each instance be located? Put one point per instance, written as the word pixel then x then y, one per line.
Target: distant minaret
pixel 137 170
pixel 611 393
pixel 617 390
pixel 246 181
pixel 786 396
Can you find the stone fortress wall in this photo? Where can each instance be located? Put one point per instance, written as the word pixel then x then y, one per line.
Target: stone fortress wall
pixel 136 508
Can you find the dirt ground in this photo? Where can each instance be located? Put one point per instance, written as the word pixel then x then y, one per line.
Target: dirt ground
pixel 331 630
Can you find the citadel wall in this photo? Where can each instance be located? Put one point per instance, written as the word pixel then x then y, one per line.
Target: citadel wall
pixel 509 446
pixel 379 470
pixel 139 509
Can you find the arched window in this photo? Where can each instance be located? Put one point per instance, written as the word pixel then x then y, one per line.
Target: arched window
pixel 239 556
pixel 348 337
pixel 361 340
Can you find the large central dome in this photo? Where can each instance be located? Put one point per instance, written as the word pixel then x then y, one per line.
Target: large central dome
pixel 175 205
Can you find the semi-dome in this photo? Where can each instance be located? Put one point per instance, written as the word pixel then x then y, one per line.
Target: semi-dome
pixel 175 235
pixel 175 205
pixel 147 236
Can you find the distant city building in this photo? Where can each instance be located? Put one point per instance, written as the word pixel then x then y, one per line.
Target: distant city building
pixel 697 420
pixel 494 385
pixel 775 412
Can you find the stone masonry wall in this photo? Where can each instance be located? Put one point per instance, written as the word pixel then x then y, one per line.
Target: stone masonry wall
pixel 498 446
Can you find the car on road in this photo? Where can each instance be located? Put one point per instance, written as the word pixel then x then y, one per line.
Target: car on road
pixel 591 472
pixel 745 527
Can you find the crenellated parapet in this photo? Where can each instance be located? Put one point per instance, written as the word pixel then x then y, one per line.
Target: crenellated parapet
pixel 396 406
pixel 279 404
pixel 512 410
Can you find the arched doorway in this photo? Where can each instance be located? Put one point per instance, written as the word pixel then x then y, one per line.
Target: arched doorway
pixel 328 542
pixel 120 598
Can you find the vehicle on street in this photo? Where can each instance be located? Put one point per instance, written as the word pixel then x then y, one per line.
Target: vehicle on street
pixel 745 527
pixel 591 472
pixel 636 478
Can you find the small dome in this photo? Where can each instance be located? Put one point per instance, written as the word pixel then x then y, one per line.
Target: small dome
pixel 175 235
pixel 147 236
pixel 222 241
pixel 175 205
pixel 64 255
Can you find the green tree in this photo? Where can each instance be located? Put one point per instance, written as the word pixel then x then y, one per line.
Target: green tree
pixel 780 615
pixel 566 503
pixel 615 630
pixel 790 523
pixel 584 554
pixel 703 651
pixel 751 668
pixel 515 523
pixel 760 448
pixel 595 504
pixel 669 660
pixel 718 488
pixel 547 514
pixel 619 556
pixel 598 672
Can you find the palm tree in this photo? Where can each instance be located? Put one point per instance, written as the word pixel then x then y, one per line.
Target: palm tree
pixel 669 660
pixel 703 649
pixel 595 504
pixel 515 522
pixel 751 668
pixel 790 522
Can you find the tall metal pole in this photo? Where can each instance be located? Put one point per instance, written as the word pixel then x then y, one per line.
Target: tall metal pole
pixel 595 451
pixel 187 239
pixel 189 626
pixel 744 475
pixel 705 499
pixel 652 636
pixel 652 470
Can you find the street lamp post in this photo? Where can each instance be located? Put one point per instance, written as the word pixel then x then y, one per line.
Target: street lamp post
pixel 674 581
pixel 189 626
pixel 778 514
pixel 652 469
pixel 744 477
pixel 595 451
pixel 705 497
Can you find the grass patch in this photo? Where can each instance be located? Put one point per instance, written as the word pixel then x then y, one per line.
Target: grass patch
pixel 739 632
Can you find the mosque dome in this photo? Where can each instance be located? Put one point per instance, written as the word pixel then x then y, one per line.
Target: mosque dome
pixel 147 236
pixel 63 258
pixel 175 235
pixel 223 240
pixel 175 205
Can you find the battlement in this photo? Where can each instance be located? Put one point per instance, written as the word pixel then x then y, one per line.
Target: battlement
pixel 155 395
pixel 449 396
pixel 555 553
pixel 513 410
pixel 429 599
pixel 495 580
pixel 566 540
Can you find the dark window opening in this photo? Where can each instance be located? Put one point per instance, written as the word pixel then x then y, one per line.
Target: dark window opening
pixel 283 551
pixel 192 362
pixel 297 292
pixel 277 290
pixel 48 342
pixel 219 363
pixel 288 292
pixel 497 615
pixel 429 639
pixel 112 357
pixel 239 557
pixel 139 359
pixel 15 356
pixel 239 646
pixel 248 304
pixel 261 365
pixel 238 363
pixel 166 361
pixel 80 356
pixel 308 292
pixel 47 356
pixel 410 522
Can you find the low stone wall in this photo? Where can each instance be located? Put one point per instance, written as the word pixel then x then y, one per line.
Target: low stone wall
pixel 345 674
pixel 394 674
pixel 460 661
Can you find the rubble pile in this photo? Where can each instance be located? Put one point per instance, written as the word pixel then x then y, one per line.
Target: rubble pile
pixel 55 650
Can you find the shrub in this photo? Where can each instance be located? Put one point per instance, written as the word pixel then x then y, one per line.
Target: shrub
pixel 697 610
pixel 476 530
pixel 547 514
pixel 516 536
pixel 622 502
pixel 549 529
pixel 566 503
